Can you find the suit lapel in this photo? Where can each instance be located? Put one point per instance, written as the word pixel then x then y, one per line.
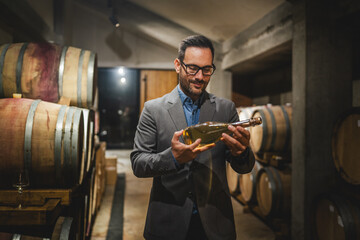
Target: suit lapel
pixel 176 111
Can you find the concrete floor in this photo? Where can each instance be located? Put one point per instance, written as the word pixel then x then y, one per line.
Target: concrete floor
pixel 248 226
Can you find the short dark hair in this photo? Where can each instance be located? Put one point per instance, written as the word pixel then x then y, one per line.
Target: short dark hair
pixel 195 41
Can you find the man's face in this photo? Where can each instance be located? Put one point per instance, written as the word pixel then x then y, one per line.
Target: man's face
pixel 194 85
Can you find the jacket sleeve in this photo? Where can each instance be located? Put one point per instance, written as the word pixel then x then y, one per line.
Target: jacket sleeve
pixel 145 160
pixel 245 162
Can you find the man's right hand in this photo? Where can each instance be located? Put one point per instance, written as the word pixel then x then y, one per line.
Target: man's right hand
pixel 185 153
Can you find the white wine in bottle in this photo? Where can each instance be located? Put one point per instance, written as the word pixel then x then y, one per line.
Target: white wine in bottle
pixel 210 132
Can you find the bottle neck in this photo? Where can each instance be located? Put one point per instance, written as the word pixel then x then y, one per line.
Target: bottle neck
pixel 248 122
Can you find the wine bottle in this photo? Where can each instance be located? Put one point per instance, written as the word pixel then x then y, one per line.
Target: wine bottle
pixel 210 132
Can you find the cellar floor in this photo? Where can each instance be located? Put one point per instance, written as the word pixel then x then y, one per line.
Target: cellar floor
pixel 248 226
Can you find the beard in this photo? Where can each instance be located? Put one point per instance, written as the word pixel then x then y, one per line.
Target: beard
pixel 192 92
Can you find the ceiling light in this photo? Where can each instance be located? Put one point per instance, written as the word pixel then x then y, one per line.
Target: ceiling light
pixel 114 21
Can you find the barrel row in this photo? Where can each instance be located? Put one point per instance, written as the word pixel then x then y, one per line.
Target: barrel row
pixel 48 72
pixel 95 186
pixel 340 207
pixel 274 136
pixel 269 189
pixel 48 141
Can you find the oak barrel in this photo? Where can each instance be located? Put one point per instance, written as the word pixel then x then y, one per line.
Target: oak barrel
pixel 274 134
pixel 273 192
pixel 43 139
pixel 48 71
pixel 247 183
pixel 346 146
pixel 337 218
pixel 232 179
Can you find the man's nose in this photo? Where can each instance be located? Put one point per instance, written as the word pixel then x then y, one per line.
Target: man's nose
pixel 199 74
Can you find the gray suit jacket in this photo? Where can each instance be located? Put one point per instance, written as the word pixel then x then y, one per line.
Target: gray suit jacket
pixel 175 188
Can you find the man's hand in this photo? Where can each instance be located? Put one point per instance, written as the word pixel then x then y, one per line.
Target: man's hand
pixel 185 153
pixel 238 142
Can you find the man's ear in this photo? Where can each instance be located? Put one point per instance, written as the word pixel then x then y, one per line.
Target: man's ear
pixel 177 65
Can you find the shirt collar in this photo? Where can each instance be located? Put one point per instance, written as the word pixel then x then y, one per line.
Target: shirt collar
pixel 184 98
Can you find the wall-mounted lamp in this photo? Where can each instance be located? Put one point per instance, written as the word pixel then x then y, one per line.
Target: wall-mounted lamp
pixel 114 21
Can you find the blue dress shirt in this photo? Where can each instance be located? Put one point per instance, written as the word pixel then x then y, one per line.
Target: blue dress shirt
pixel 191 109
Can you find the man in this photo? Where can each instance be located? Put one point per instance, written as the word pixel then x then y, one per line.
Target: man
pixel 189 198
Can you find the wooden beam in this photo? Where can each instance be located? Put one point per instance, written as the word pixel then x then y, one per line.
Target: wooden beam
pixel 30 215
pixel 263 40
pixel 36 196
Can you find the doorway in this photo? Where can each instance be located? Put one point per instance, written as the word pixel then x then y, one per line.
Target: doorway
pixel 118 106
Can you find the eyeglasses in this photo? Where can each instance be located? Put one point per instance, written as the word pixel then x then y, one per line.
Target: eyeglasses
pixel 192 69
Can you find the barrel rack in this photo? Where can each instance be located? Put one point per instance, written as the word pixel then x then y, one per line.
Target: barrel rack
pixel 48 213
pixel 44 212
pixel 280 226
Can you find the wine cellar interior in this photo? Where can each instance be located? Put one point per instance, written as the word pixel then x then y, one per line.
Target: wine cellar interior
pixel 74 77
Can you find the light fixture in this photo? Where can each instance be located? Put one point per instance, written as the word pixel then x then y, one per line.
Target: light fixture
pixel 121 71
pixel 122 81
pixel 114 21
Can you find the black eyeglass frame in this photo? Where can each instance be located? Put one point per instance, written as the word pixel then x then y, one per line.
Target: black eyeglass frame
pixel 199 68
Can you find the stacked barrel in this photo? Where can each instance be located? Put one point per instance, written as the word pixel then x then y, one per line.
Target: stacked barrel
pixel 266 190
pixel 340 207
pixel 49 132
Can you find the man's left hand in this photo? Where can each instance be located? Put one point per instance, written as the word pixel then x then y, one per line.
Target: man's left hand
pixel 238 142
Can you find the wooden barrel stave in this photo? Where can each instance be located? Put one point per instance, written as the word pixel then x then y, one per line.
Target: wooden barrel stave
pixel 99 174
pixel 9 60
pixel 88 145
